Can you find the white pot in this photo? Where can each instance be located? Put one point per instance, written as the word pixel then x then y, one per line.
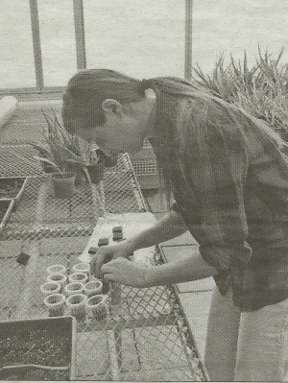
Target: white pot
pixel 49 288
pixel 57 277
pixel 55 304
pixel 93 287
pixel 82 267
pixel 56 269
pixel 77 304
pixel 78 277
pixel 74 288
pixel 97 305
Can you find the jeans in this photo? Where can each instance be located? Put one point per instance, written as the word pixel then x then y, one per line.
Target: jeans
pixel 248 346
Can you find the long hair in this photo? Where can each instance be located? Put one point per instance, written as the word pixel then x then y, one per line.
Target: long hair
pixel 85 92
pixel 174 122
pixel 87 89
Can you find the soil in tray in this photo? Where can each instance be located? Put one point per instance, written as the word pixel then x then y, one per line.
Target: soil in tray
pixel 36 347
pixel 9 188
pixel 37 374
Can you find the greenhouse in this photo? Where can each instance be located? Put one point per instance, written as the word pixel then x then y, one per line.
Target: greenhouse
pixel 66 314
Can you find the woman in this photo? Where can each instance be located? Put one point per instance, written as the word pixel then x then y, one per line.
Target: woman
pixel 229 179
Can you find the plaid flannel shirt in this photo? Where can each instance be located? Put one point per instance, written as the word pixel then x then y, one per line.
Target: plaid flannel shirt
pixel 231 188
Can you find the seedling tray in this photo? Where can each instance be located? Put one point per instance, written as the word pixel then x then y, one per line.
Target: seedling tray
pixel 12 187
pixel 6 207
pixel 41 349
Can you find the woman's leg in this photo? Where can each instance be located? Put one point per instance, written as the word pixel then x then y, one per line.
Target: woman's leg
pixel 222 334
pixel 263 344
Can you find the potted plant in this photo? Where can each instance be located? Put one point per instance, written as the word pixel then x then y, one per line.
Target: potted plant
pixel 60 155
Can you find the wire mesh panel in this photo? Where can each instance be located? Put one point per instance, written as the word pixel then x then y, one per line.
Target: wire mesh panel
pixel 18 161
pixel 41 213
pixel 144 337
pixel 141 334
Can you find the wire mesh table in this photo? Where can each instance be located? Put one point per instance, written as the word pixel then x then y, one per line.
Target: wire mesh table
pixel 147 336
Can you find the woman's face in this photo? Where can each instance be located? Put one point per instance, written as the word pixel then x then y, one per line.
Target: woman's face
pixel 123 130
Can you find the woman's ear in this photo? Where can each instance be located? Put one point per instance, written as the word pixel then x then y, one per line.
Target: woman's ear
pixel 112 106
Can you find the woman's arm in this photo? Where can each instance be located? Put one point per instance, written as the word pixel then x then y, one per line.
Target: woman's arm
pixel 170 226
pixel 129 273
pixel 186 269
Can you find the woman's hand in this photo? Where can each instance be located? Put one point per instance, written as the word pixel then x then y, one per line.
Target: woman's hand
pixel 107 253
pixel 126 272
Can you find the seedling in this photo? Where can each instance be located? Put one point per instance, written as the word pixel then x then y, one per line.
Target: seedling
pixel 103 242
pixel 23 258
pixel 117 229
pixel 92 250
pixel 117 233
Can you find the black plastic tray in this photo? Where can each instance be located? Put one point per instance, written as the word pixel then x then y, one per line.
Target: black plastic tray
pixel 26 345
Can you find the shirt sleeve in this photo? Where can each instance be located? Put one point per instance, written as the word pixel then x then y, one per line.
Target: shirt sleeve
pixel 216 170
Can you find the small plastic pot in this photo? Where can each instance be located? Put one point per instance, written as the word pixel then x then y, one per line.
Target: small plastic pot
pixel 82 267
pixel 57 277
pixel 77 305
pixel 74 288
pixel 64 185
pixel 49 288
pixel 55 304
pixel 93 288
pixel 97 305
pixel 56 269
pixel 78 277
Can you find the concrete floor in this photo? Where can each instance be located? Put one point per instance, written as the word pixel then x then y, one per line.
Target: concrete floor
pixel 195 296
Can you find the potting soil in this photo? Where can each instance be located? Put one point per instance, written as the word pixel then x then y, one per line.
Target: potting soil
pixel 37 374
pixel 36 347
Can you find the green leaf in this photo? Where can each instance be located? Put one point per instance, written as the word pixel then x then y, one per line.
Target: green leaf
pixel 43 159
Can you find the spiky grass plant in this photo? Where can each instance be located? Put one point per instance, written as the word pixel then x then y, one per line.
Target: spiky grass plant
pixel 60 150
pixel 261 90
